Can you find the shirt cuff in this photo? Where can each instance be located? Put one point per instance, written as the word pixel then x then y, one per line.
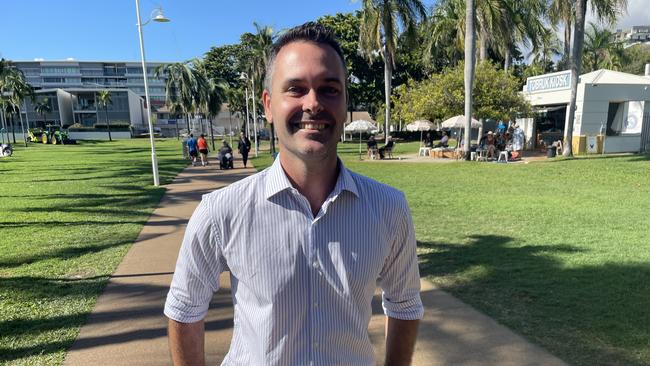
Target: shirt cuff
pixel 181 312
pixel 411 309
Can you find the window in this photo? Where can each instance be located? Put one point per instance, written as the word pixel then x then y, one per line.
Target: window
pixel 624 118
pixel 53 80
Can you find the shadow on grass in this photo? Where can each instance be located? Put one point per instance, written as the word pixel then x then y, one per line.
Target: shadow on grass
pixel 137 323
pixel 585 314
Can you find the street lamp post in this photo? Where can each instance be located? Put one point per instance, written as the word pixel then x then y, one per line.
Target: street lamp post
pixel 243 76
pixel 248 128
pixel 254 116
pixel 159 17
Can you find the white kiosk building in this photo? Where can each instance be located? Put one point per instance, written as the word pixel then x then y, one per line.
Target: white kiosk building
pixel 612 111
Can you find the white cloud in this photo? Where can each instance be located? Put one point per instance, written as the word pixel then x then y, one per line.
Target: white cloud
pixel 638 13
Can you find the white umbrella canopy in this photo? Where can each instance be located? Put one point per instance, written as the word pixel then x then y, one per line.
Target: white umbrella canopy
pixel 421 125
pixel 360 126
pixel 459 122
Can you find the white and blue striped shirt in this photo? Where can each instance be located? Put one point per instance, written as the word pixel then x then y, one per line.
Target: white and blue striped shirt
pixel 302 285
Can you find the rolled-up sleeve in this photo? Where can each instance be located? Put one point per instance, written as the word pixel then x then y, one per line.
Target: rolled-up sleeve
pixel 400 277
pixel 198 267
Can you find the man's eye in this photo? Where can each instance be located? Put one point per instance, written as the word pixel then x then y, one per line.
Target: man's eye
pixel 330 90
pixel 294 90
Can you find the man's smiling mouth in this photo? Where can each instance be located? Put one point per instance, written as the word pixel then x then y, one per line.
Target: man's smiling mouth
pixel 311 126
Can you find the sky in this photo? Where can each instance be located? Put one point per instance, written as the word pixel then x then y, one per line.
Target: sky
pixel 105 30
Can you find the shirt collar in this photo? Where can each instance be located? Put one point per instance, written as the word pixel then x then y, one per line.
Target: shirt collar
pixel 277 181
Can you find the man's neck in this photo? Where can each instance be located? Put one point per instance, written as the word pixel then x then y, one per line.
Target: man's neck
pixel 314 180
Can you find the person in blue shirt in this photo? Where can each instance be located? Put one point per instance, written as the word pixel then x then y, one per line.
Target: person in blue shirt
pixel 192 148
pixel 501 127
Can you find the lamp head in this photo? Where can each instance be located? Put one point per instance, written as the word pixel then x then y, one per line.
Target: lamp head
pixel 160 16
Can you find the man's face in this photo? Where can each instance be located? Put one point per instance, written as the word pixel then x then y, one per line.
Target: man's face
pixel 307 103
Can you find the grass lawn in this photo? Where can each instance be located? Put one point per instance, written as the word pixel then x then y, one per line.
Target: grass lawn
pixel 558 250
pixel 68 216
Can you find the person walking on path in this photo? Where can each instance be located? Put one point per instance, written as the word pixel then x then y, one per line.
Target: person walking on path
pixel 244 147
pixel 203 149
pixel 305 260
pixel 192 148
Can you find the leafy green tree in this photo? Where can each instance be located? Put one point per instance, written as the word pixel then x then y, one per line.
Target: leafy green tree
pixel 636 58
pixel 379 35
pixel 226 63
pixel 104 99
pixel 495 95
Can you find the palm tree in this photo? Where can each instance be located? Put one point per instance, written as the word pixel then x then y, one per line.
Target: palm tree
pixel 601 50
pixel 544 52
pixel 445 35
pixel 104 100
pixel 259 47
pixel 524 24
pixel 43 107
pixel 470 55
pixel 563 11
pixel 185 86
pixel 604 10
pixel 379 33
pixel 13 90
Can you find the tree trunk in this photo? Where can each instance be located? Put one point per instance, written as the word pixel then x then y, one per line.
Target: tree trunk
pixel 388 74
pixel 22 127
pixel 506 62
pixel 108 124
pixel 212 133
pixel 187 120
pixel 567 38
pixel 482 46
pixel 576 59
pixel 470 53
pixel 13 129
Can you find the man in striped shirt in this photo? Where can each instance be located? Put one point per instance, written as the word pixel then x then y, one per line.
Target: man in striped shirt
pixel 312 242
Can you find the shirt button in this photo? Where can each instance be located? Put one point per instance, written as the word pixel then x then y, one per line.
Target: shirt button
pixel 315 264
pixel 315 344
pixel 315 304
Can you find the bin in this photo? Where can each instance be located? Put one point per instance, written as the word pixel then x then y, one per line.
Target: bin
pixel 550 151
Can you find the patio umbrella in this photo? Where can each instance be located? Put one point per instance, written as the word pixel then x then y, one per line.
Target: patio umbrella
pixel 360 126
pixel 420 125
pixel 459 122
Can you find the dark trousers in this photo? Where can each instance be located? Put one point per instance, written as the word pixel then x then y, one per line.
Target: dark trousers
pixel 244 157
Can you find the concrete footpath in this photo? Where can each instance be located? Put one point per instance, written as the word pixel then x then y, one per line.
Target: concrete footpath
pixel 127 326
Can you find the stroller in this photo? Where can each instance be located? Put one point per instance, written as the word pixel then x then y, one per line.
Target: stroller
pixel 226 161
pixel 6 150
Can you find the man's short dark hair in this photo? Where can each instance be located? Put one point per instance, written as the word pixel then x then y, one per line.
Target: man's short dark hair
pixel 308 32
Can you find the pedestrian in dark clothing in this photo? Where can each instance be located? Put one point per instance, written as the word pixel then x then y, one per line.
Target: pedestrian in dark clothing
pixel 244 146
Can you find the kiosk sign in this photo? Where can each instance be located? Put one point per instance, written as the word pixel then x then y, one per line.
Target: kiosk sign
pixel 555 81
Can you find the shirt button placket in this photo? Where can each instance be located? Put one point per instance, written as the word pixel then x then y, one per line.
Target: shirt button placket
pixel 314 278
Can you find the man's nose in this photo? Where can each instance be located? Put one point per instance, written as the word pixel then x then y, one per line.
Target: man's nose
pixel 311 103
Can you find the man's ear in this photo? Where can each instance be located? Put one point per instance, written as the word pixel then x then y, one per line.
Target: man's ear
pixel 266 99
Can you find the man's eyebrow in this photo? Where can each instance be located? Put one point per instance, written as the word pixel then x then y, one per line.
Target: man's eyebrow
pixel 298 80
